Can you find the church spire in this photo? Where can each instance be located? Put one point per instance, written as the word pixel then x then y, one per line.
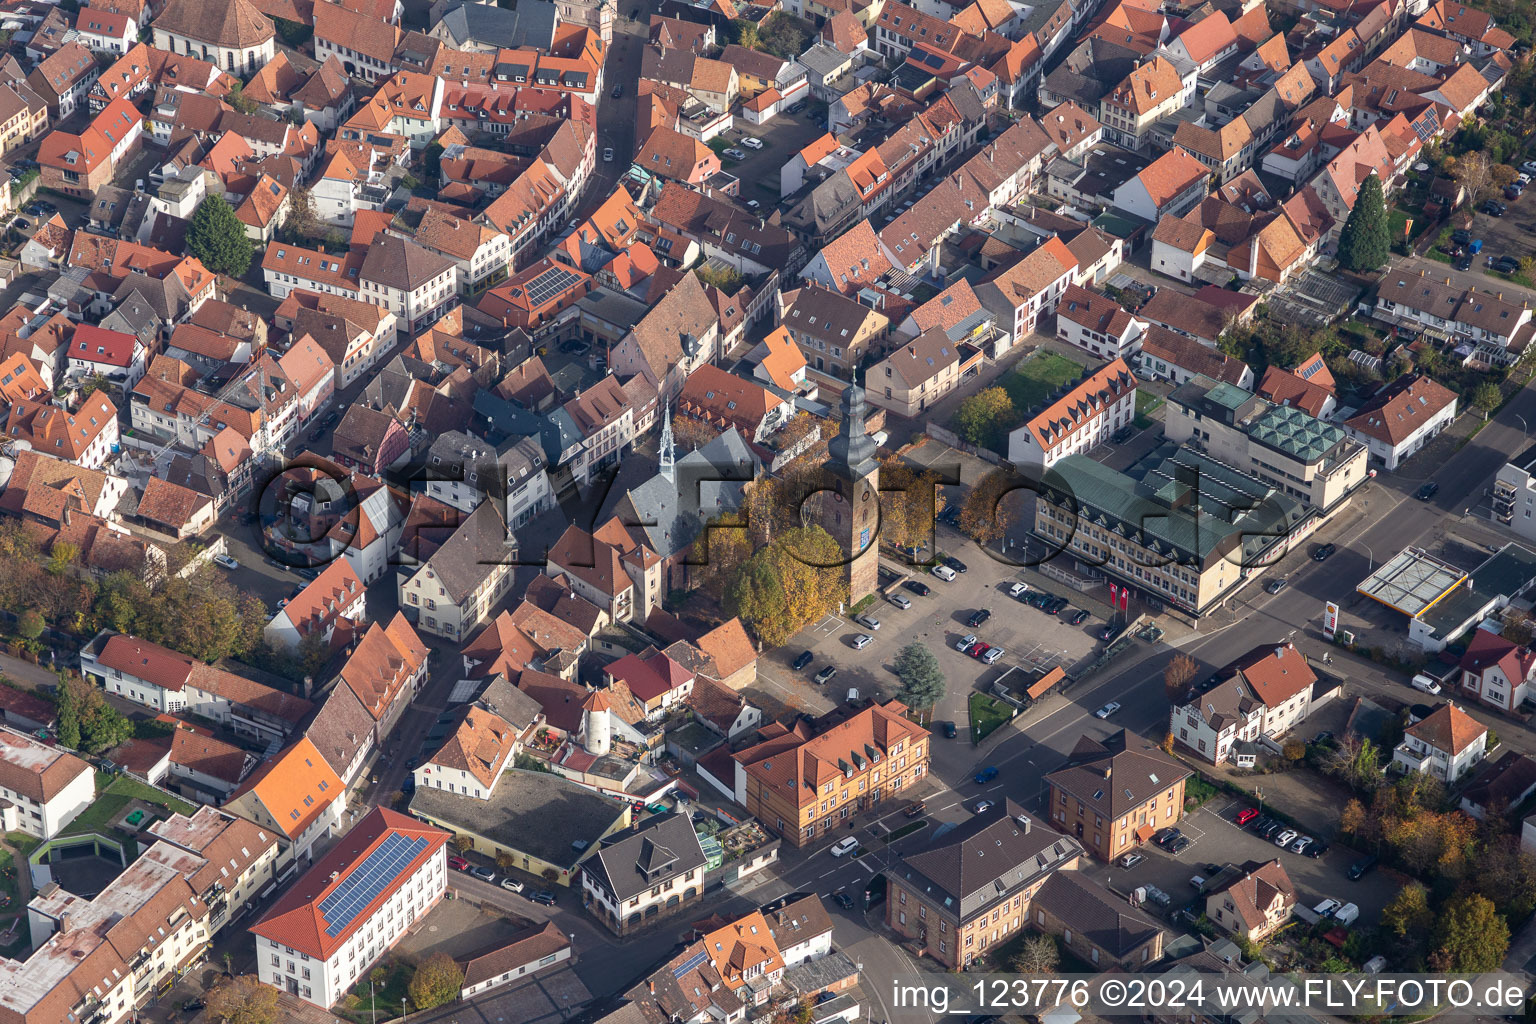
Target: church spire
pixel 666 457
pixel 851 454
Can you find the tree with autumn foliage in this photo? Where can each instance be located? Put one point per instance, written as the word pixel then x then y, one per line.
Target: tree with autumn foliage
pixel 909 504
pixel 1177 677
pixel 794 580
pixel 1470 936
pixel 991 506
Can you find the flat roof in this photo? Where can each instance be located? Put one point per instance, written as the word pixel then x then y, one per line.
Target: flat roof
pixel 532 812
pixel 1411 581
pixel 1507 573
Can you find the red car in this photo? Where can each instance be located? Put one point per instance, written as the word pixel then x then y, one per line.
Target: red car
pixel 458 863
pixel 1246 815
pixel 979 650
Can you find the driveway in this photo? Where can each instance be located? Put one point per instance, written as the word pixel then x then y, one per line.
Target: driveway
pixel 782 137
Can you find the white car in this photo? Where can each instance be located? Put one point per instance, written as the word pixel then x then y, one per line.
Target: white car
pixel 752 142
pixel 1107 710
pixel 1286 837
pixel 843 847
pixel 753 204
pixel 1347 914
pixel 226 561
pixel 944 573
pixel 1327 907
pixel 1300 844
pixel 1424 684
pixel 900 601
pixel 1130 860
pixel 965 641
pixel 867 621
pixel 511 885
pixel 1016 589
pixel 983 806
pixel 1529 167
pixel 862 641
pixel 607 154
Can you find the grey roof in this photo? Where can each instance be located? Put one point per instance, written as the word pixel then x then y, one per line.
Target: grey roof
pixel 851 454
pixel 821 974
pixel 467 557
pixel 395 262
pixel 508 703
pixel 822 59
pixel 706 483
pixel 501 419
pixel 1095 913
pixel 1230 509
pixel 532 24
pixel 647 855
pixel 535 813
pixel 340 728
pixel 1117 775
pixel 987 859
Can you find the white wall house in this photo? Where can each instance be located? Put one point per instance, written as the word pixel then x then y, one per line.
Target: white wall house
pixel 1079 421
pixel 385 874
pixel 1447 744
pixel 46 787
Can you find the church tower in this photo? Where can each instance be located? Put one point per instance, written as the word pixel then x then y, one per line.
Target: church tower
pixel 852 513
pixel 666 462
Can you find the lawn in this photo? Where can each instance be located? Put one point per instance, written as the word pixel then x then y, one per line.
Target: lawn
pixel 388 998
pixel 988 714
pixel 906 830
pixel 115 795
pixel 1033 380
pixel 1146 403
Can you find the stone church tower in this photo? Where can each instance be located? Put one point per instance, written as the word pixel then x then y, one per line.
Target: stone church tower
pixel 852 513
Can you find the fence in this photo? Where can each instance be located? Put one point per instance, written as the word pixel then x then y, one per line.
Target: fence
pixel 952 439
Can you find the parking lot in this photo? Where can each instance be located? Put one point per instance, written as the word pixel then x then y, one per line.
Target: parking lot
pixel 1030 638
pixel 782 137
pixel 1218 840
pixel 1509 235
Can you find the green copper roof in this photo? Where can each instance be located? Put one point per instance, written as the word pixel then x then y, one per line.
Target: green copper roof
pixel 1294 432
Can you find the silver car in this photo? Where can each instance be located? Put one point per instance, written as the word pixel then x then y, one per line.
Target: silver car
pixel 862 641
pixel 867 621
pixel 900 601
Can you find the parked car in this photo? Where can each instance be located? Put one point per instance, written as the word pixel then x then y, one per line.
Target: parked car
pixel 458 863
pixel 544 898
pixel 986 775
pixel 948 729
pixel 1109 632
pixel 1107 710
pixel 1462 262
pixel 1348 914
pixel 826 674
pixel 483 873
pixel 977 650
pixel 900 601
pixel 1245 815
pixel 226 561
pixel 1300 844
pixel 1326 908
pixel 1130 860
pixel 862 640
pixel 1078 617
pixel 843 847
pixel 1494 208
pixel 954 563
pixel 1360 868
pixel 1260 823
pixel 943 572
pixel 1197 882
pixel 1179 845
pixel 618 91
pixel 607 154
pixel 978 617
pixel 916 809
pixel 1506 264
pixel 842 899
pixel 966 642
pixel 992 655
pixel 735 154
pixel 1274 586
pixel 1529 167
pixel 1273 829
pixel 802 661
pixel 752 142
pixel 753 204
pixel 1163 836
pixel 867 621
pixel 1324 552
pixel 1461 236
pixel 192 1005
pixel 983 806
pixel 1017 589
pixel 1512 191
pixel 511 885
pixel 918 587
pixel 1123 435
pixel 1315 849
pixel 1424 684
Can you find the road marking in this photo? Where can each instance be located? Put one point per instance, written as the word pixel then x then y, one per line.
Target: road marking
pixel 995 788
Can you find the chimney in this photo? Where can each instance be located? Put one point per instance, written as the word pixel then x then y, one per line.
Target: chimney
pixel 309 686
pixel 64 920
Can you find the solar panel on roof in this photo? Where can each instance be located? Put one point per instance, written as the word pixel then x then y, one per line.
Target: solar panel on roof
pixel 690 964
pixel 549 284
pixel 363 885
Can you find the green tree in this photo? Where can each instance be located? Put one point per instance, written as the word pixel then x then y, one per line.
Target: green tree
pixel 1486 397
pixel 1470 936
pixel 217 237
pixel 727 279
pixel 437 981
pixel 240 101
pixel 1408 914
pixel 69 725
pixel 301 218
pixel 756 595
pixel 989 507
pixel 984 419
pixel 30 624
pixel 742 32
pixel 432 161
pixel 922 681
pixel 1365 244
pixel 243 1000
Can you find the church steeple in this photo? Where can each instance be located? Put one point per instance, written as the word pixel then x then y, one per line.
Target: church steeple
pixel 851 454
pixel 666 457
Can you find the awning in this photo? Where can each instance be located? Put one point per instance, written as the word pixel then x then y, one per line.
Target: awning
pixel 1144 832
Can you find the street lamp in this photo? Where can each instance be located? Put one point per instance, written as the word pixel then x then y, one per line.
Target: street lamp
pixel 1522 426
pixel 1370 557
